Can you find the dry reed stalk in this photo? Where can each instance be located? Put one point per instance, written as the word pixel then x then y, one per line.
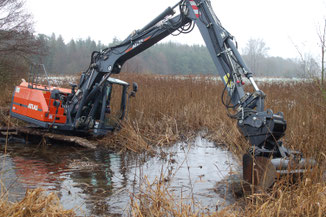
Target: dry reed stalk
pixel 128 138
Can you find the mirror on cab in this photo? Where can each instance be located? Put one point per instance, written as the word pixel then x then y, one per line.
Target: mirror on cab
pixel 134 89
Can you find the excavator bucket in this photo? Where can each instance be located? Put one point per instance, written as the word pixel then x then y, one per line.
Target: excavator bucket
pixel 259 173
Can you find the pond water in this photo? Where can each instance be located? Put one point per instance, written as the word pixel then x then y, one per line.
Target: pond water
pixel 101 182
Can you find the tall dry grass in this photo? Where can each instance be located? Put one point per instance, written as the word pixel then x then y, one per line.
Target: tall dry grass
pixel 169 108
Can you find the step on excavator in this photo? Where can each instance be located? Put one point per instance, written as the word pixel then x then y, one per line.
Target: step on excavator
pixel 83 109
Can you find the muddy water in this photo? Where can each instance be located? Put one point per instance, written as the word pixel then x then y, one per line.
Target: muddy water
pixel 101 182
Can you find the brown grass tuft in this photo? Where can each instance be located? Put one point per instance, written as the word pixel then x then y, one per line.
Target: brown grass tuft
pixel 35 203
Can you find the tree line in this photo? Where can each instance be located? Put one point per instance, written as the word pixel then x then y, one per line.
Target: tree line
pixel 163 58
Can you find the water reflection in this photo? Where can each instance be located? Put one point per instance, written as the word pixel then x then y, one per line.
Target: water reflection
pixel 100 182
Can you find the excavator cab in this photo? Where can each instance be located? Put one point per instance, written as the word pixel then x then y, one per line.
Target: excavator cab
pixel 113 108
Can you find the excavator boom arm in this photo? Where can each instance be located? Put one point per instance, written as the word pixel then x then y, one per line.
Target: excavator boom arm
pixel 257 125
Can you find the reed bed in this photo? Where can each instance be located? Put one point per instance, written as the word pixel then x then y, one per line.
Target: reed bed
pixel 168 108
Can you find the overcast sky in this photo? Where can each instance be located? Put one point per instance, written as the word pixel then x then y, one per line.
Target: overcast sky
pixel 281 23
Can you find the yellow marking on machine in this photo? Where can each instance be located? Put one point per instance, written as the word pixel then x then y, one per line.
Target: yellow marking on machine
pixel 228 81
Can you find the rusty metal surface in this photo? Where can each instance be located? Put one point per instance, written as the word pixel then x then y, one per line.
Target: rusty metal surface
pixel 258 173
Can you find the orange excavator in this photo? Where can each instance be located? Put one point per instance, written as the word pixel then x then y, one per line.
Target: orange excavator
pixel 84 108
pixel 47 106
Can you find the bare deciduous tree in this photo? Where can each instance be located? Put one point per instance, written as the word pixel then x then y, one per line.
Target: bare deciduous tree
pixel 16 32
pixel 13 16
pixel 308 64
pixel 255 51
pixel 17 42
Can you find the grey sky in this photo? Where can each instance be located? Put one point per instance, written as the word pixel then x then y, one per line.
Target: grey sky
pixel 281 23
